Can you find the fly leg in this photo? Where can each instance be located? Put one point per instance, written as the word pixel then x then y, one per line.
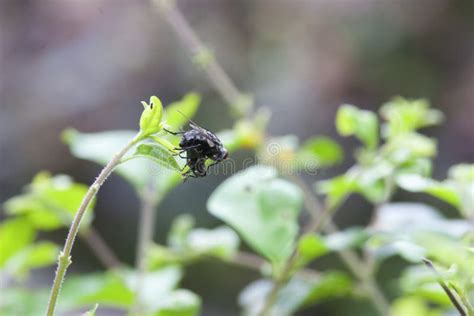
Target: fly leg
pixel 174 133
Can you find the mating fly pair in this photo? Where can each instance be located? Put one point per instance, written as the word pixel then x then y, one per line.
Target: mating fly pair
pixel 199 144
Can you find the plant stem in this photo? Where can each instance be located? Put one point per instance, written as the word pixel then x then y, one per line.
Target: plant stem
pixel 349 257
pixel 100 248
pixel 216 74
pixel 64 259
pixel 149 203
pixel 449 293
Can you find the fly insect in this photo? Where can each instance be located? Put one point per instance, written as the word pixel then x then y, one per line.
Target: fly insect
pixel 199 144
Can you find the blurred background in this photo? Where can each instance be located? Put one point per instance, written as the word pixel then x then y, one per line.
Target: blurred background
pixel 87 64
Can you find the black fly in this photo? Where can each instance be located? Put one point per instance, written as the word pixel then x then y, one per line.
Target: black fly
pixel 199 144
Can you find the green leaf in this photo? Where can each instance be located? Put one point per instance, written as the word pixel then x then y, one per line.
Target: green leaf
pixel 410 146
pixel 337 189
pixel 462 173
pixel 423 283
pixel 150 120
pixel 411 306
pixel 15 235
pixel 50 202
pixel 38 255
pixel 35 211
pixel 363 124
pixel 222 242
pixel 100 148
pixel 416 231
pixel 405 116
pixel 179 112
pixel 461 177
pixel 92 311
pixel 440 190
pixel 22 301
pixel 330 284
pixel 262 208
pixel 156 286
pixel 178 235
pixel 158 154
pixel 297 293
pixel 321 150
pixel 107 289
pixel 179 303
pixel 346 239
pixel 310 247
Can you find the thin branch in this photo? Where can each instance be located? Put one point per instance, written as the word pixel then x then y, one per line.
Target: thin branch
pixel 64 259
pixel 149 203
pixel 349 257
pixel 100 248
pixel 449 293
pixel 217 76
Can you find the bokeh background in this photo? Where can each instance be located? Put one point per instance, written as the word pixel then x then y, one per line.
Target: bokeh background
pixel 88 64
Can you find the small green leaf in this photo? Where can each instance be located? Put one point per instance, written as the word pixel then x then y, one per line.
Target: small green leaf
pixel 50 202
pixel 107 289
pixel 346 239
pixel 297 293
pixel 15 235
pixel 405 116
pixel 38 214
pixel 158 154
pixel 38 255
pixel 440 190
pixel 222 242
pixel 178 235
pixel 310 247
pixel 337 189
pixel 363 124
pixel 411 306
pixel 150 120
pixel 179 303
pixel 92 311
pixel 23 301
pixel 262 208
pixel 330 284
pixel 410 146
pixel 179 112
pixel 321 150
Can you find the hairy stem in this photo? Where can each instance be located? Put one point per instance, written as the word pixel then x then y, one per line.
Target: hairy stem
pixel 149 201
pixel 64 259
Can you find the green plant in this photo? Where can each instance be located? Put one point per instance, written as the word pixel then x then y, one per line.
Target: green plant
pixel 262 206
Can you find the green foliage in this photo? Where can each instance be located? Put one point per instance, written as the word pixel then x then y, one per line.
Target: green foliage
pixel 360 123
pixel 187 244
pixel 322 151
pixel 50 202
pixel 15 235
pixel 297 293
pixel 405 116
pixel 310 247
pixel 178 113
pixel 158 154
pixel 262 208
